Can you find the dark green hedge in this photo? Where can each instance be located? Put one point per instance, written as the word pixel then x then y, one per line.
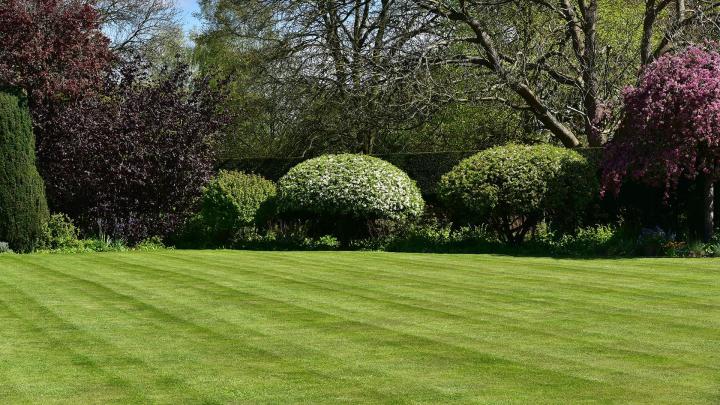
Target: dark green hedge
pixel 23 208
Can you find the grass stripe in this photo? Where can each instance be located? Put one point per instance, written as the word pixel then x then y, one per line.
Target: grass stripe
pixel 329 327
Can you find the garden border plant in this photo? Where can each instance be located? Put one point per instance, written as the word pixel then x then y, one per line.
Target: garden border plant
pixel 23 208
pixel 234 200
pixel 349 195
pixel 513 188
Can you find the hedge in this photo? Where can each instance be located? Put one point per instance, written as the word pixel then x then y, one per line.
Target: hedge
pixel 233 200
pixel 512 188
pixel 426 168
pixel 23 208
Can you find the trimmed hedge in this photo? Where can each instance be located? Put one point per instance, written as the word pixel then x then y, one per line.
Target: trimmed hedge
pixel 513 188
pixel 356 187
pixel 233 200
pixel 23 208
pixel 425 168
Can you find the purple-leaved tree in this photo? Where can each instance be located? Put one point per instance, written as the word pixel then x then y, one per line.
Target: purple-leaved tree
pixel 132 160
pixel 671 128
pixel 52 49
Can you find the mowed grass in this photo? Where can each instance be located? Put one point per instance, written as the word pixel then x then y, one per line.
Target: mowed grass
pixel 322 327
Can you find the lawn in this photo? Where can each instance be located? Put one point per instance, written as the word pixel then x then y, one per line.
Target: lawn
pixel 316 327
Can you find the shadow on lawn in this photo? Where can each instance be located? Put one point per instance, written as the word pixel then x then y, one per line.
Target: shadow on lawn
pixel 529 249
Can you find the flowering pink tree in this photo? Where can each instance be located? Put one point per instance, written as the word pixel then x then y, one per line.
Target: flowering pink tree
pixel 672 127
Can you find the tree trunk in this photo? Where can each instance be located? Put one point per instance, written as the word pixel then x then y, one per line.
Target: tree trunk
pixel 544 115
pixel 593 107
pixel 708 205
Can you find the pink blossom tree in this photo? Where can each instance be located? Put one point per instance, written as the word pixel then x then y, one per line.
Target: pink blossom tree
pixel 671 128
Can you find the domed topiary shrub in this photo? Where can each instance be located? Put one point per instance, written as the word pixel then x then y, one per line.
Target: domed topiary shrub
pixel 513 188
pixel 233 200
pixel 23 208
pixel 347 189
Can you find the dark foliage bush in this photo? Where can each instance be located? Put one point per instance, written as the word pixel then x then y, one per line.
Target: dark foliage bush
pixel 131 163
pixel 23 208
pixel 513 188
pixel 53 49
pixel 347 192
pixel 233 200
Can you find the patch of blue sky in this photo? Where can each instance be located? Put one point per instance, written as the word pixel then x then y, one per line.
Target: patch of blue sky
pixel 187 10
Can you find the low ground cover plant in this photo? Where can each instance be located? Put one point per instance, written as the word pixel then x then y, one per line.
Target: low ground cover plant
pixel 5 248
pixel 60 235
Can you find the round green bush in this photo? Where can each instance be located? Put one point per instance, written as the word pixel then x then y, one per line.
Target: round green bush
pixel 513 188
pixel 59 232
pixel 233 200
pixel 23 208
pixel 350 186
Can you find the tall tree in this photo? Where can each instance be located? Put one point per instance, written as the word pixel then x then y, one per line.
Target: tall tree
pixel 52 49
pixel 671 128
pixel 566 61
pixel 346 62
pixel 136 26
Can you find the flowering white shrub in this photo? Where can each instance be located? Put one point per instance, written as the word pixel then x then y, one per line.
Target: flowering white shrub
pixel 357 186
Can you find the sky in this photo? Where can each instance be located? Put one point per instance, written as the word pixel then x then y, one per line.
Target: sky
pixel 188 7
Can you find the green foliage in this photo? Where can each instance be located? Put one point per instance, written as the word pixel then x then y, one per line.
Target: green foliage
pixel 99 244
pixel 59 233
pixel 234 200
pixel 150 245
pixel 90 245
pixel 672 248
pixel 434 236
pixel 192 234
pixel 23 208
pixel 5 248
pixel 425 168
pixel 289 238
pixel 513 188
pixel 352 186
pixel 591 241
pixel 463 127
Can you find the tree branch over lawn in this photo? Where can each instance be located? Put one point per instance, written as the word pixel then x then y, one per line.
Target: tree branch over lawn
pixel 133 24
pixel 495 63
pixel 566 59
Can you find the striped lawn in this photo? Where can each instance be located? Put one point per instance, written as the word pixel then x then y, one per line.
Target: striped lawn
pixel 316 327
